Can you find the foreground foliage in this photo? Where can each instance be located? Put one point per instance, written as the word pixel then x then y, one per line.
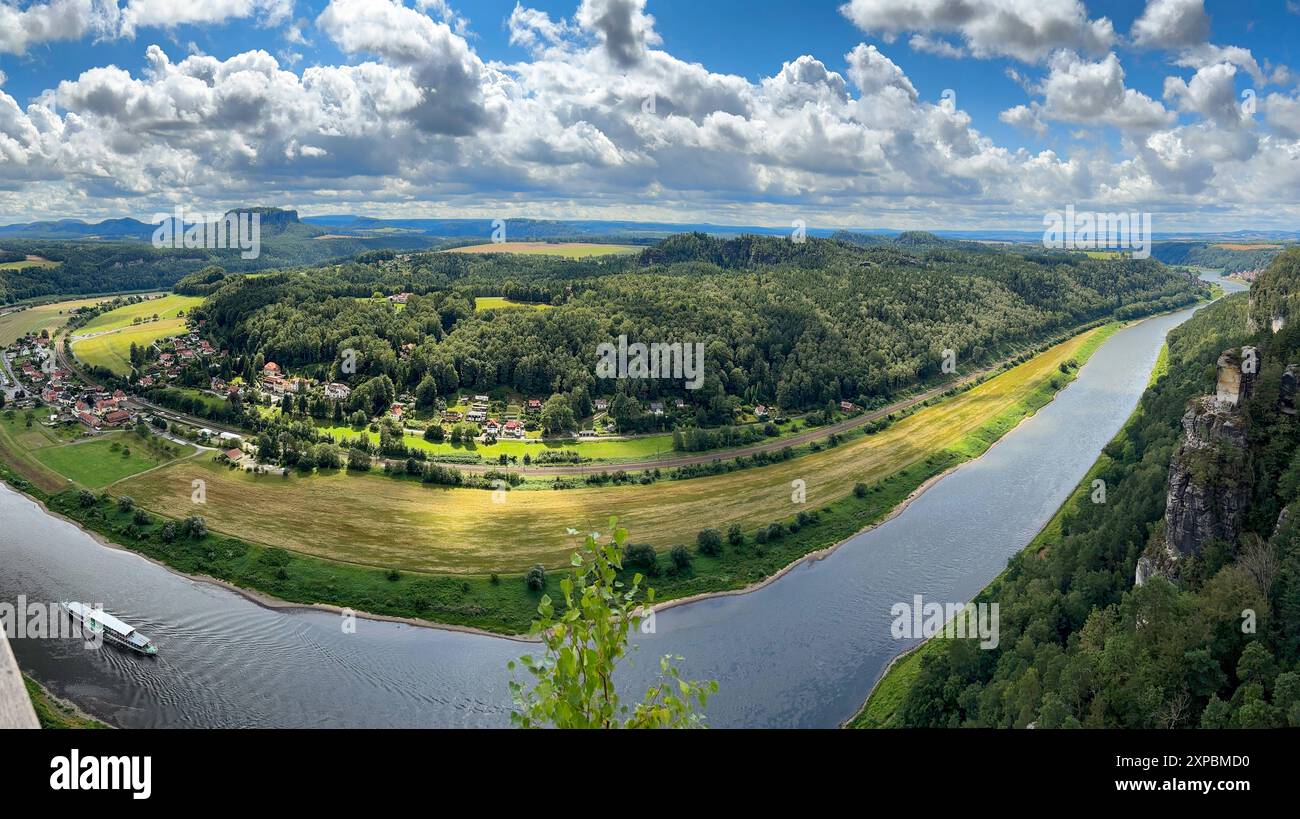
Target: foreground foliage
pixel 574 679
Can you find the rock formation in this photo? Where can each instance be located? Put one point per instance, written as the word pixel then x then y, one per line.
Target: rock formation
pixel 1206 491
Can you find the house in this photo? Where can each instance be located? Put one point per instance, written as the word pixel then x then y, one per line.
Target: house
pixel 491 427
pixel 760 411
pixel 601 405
pixel 679 403
pixel 234 455
pixel 451 417
pixel 396 410
pixel 847 406
pixel 534 405
pixel 657 407
pixel 514 429
pixel 117 418
pixel 400 298
pixel 337 392
pixel 89 420
pixel 271 368
pixel 475 416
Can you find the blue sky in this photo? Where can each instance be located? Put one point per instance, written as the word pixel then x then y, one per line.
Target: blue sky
pixel 491 106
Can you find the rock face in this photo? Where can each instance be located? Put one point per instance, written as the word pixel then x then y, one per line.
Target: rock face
pixel 1275 295
pixel 1290 381
pixel 1237 373
pixel 1207 492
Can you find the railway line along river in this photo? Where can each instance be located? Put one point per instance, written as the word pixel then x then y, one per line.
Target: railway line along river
pixel 802 651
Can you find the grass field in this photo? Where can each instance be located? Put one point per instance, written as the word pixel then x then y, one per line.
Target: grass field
pixel 112 350
pixel 30 262
pixel 14 326
pixel 502 303
pixel 51 457
pixel 380 521
pixel 168 307
pixel 570 250
pixel 632 448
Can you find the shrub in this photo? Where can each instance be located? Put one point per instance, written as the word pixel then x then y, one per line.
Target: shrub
pixel 393 575
pixel 775 532
pixel 642 557
pixel 709 542
pixel 125 503
pixel 86 498
pixel 168 532
pixel 760 536
pixel 681 557
pixel 736 535
pixel 536 577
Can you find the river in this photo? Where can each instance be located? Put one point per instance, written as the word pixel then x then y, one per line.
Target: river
pixel 803 651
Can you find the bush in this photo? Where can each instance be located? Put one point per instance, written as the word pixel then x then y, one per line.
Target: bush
pixel 196 527
pixel 536 577
pixel 709 542
pixel 681 557
pixel 775 532
pixel 393 575
pixel 86 498
pixel 642 557
pixel 168 532
pixel 859 490
pixel 125 503
pixel 760 536
pixel 736 535
pixel 142 518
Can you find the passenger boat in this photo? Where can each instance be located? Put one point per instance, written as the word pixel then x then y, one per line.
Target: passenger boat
pixel 113 629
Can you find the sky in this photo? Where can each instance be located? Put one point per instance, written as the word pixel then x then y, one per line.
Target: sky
pixel 939 114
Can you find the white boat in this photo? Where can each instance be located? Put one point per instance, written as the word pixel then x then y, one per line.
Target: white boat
pixel 113 629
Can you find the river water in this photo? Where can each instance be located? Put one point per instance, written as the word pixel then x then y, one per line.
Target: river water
pixel 803 651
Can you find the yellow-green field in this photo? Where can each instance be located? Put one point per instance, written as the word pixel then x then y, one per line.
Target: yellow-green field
pixel 570 250
pixel 50 317
pixel 602 450
pixel 168 307
pixel 381 521
pixel 31 261
pixel 112 350
pixel 502 303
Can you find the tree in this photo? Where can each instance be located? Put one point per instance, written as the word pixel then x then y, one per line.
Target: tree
pixel 681 557
pixel 709 542
pixel 574 679
pixel 736 535
pixel 557 415
pixel 196 527
pixel 536 577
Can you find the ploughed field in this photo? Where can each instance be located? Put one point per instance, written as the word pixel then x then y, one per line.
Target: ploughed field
pixel 387 522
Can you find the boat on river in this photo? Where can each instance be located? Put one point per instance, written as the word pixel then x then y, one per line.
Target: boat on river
pixel 113 630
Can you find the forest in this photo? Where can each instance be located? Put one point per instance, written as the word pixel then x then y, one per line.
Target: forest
pixel 796 325
pixel 1082 646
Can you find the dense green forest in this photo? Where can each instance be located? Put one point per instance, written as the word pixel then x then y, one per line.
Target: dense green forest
pixel 1213 256
pixel 798 325
pixel 1082 646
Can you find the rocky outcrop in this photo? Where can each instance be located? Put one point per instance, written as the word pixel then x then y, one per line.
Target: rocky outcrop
pixel 1207 492
pixel 1287 394
pixel 1237 372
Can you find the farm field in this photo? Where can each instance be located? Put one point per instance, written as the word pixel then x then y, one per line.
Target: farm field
pixel 501 303
pixel 569 250
pixel 14 326
pixel 112 350
pixel 381 521
pixel 167 307
pixel 30 261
